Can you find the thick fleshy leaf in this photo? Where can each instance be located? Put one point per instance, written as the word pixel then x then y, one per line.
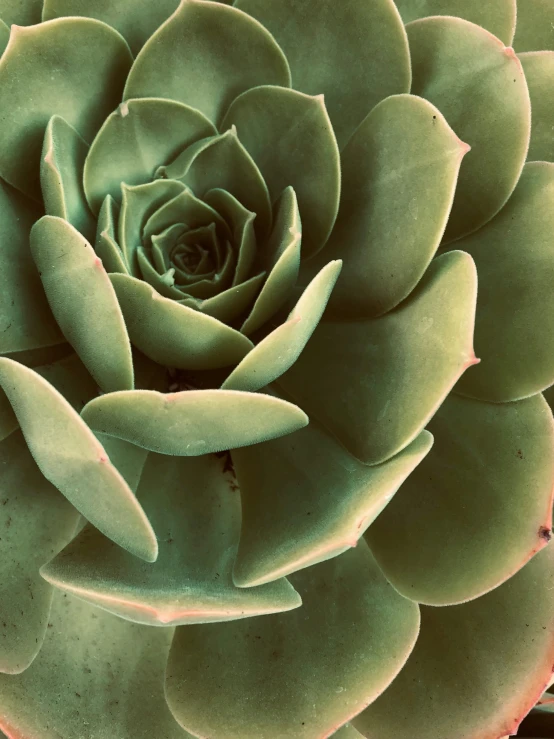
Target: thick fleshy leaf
pixel 535 26
pixel 204 56
pixel 137 138
pixel 514 328
pixel 174 334
pixel 305 500
pixel 195 508
pixel 539 73
pixel 72 459
pixel 291 139
pixel 231 304
pixel 192 422
pixel 83 302
pixel 26 321
pixel 278 351
pixel 488 107
pixel 500 648
pixel 106 246
pixel 399 173
pixel 72 67
pixel 425 343
pixel 350 38
pixel 61 173
pixel 35 522
pixel 280 254
pixel 488 482
pixel 497 16
pixel 134 22
pixel 4 36
pixel 353 632
pixel 22 12
pixel 96 676
pixel 347 732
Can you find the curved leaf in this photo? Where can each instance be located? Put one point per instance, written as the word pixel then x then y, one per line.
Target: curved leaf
pixel 488 483
pixel 399 174
pixel 291 139
pixel 4 36
pixel 70 457
pixel 230 304
pixel 358 378
pixel 22 12
pixel 71 67
pixel 192 422
pixel 350 38
pixel 137 138
pixel 534 29
pixel 174 334
pixel 487 105
pixel 353 632
pixel 539 73
pixel 500 648
pixel 514 328
pixel 292 516
pixel 213 52
pixel 273 356
pixel 106 245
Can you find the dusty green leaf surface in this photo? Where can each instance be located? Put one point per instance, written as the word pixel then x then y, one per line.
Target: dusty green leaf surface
pixel 535 29
pixel 21 12
pixel 539 70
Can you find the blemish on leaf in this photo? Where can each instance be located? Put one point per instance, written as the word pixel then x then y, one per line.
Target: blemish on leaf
pixel 545 533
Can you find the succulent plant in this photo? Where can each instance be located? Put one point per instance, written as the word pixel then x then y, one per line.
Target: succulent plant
pixel 254 481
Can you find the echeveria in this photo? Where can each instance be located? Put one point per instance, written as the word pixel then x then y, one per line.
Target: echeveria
pixel 247 249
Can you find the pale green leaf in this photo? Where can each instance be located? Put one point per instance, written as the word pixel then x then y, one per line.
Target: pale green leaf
pixel 231 304
pixel 22 12
pixel 535 26
pixel 192 422
pixel 71 67
pixel 204 56
pixel 347 732
pixel 106 246
pixel 72 459
pixel 539 73
pixel 185 208
pixel 4 36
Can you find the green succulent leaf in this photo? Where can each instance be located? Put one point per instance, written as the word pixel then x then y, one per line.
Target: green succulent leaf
pixel 68 454
pixel 353 632
pixel 347 732
pixel 352 37
pixel 497 16
pixel 425 343
pixel 539 73
pixel 514 328
pixel 399 173
pixel 71 67
pixel 500 648
pixel 63 156
pixel 36 522
pixel 96 675
pixel 196 510
pixel 136 23
pixel 22 12
pixel 483 495
pixel 535 29
pixel 291 515
pixel 192 422
pixel 231 304
pixel 487 104
pixel 135 140
pixel 106 245
pixel 26 321
pixel 173 334
pixel 291 139
pixel 4 36
pixel 278 351
pixel 214 51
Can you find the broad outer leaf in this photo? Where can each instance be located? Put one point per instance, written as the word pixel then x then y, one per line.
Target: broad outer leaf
pixel 497 16
pixel 278 351
pixel 174 334
pixel 72 67
pixel 83 302
pixel 72 459
pixel 97 676
pixel 297 675
pixel 399 173
pixel 22 12
pixel 350 38
pixel 36 521
pixel 477 668
pixel 192 422
pixel 26 321
pixel 358 378
pixel 483 497
pixel 539 73
pixel 535 29
pixel 479 86
pixel 194 505
pixel 137 138
pixel 514 328
pixel 204 56
pixel 291 139
pixel 305 500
